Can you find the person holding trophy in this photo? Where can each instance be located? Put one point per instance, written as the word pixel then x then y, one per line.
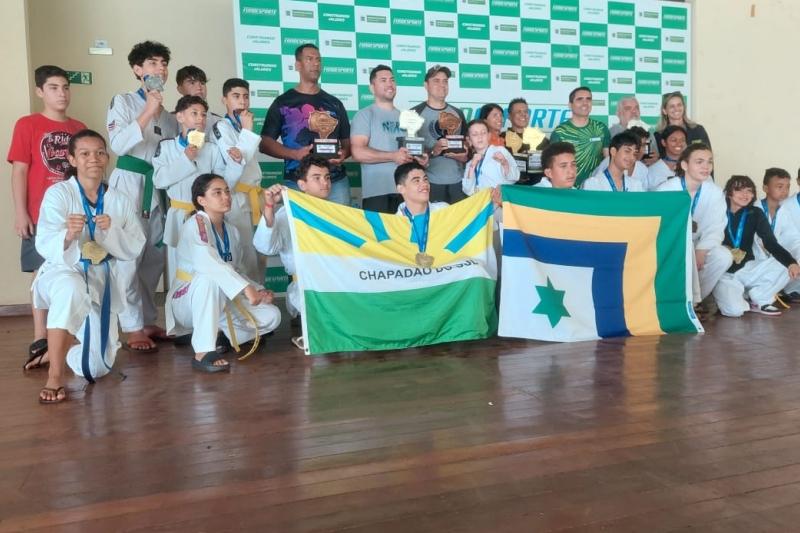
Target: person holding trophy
pixel 309 120
pixel 378 143
pixel 443 131
pixel 525 142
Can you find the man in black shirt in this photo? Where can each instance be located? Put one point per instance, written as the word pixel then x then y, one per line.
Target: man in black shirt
pixel 288 118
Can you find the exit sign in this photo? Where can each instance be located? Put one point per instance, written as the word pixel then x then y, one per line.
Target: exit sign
pixel 77 77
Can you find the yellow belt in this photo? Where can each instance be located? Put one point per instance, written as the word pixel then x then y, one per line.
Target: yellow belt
pixel 178 204
pixel 182 275
pixel 252 192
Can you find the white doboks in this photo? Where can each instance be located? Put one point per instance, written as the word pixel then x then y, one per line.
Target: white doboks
pixel 198 304
pixel 61 286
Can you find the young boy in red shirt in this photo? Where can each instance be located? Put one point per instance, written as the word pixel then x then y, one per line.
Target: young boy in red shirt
pixel 38 157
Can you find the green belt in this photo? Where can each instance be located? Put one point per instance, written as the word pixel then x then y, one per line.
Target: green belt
pixel 140 166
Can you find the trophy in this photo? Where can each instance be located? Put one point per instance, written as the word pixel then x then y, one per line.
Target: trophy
pixel 323 124
pixel 523 148
pixel 451 125
pixel 411 122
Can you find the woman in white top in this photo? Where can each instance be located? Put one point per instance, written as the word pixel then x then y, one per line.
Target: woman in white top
pixel 673 143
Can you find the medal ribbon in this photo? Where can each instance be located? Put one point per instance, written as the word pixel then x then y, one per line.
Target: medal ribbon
pixel 611 181
pixel 737 241
pixel 183 142
pixel 140 92
pixel 224 251
pixel 237 124
pixel 422 240
pixel 478 170
pixel 98 210
pixel 696 193
pixel 772 221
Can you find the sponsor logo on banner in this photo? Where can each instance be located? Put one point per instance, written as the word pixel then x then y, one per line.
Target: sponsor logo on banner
pixel 475 77
pixel 407 22
pixel 565 56
pixel 648 82
pixel 409 73
pixel 447 6
pixel 648 38
pixel 291 38
pixel 505 53
pixel 255 13
pixel 536 79
pixel 674 62
pixel 373 46
pixel 473 27
pixel 594 34
pixel 341 70
pixel 261 67
pixel 336 17
pixel 596 80
pixel 441 50
pixel 373 3
pixel 535 30
pixel 621 59
pixel 621 13
pixel 564 10
pixel 504 8
pixel 674 18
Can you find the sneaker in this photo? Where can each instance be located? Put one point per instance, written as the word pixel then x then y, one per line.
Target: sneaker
pixel 767 309
pixel 792 297
pixel 299 342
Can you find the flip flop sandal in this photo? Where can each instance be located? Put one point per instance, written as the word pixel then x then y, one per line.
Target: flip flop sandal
pixel 55 392
pixel 36 351
pixel 206 364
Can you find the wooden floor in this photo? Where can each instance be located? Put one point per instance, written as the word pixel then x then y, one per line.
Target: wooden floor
pixel 646 434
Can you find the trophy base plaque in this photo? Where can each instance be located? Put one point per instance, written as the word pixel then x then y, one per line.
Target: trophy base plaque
pixel 414 145
pixel 327 148
pixel 535 161
pixel 455 144
pixel 522 162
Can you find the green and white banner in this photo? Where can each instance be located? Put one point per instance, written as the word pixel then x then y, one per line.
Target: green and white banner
pixel 497 49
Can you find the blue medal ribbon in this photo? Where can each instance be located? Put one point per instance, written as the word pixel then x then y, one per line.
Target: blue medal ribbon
pixel 696 193
pixel 772 220
pixel 237 124
pixel 478 170
pixel 223 247
pixel 611 181
pixel 183 142
pixel 105 306
pixel 420 235
pixel 140 92
pixel 737 240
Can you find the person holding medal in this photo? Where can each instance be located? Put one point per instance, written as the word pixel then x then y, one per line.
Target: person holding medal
pixel 760 279
pixel 413 185
pixel 623 155
pixel 177 162
pixel 238 145
pixel 491 165
pixel 693 173
pixel 211 294
pixel 84 229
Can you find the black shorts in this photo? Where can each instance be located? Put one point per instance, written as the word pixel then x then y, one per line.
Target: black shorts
pixel 29 258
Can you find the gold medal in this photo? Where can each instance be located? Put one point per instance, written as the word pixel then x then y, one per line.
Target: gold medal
pixel 424 260
pixel 738 255
pixel 93 252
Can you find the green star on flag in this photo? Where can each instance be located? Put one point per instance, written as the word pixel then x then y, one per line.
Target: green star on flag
pixel 551 303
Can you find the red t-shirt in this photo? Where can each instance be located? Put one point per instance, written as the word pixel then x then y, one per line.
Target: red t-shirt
pixel 42 144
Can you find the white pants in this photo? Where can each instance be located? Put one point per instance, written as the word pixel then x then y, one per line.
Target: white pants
pixel 69 306
pixel 202 309
pixel 242 220
pixel 718 261
pixel 794 285
pixel 294 302
pixel 760 279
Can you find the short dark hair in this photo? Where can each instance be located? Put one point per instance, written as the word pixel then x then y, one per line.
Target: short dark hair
pixel 45 72
pixel 488 108
pixel 669 130
pixel 514 102
pixel 739 182
pixel 299 50
pixel 190 72
pixel 640 132
pixel 436 69
pixel 233 83
pixel 775 172
pixel 185 101
pixel 200 186
pixel 374 72
pixel 554 150
pixel 73 142
pixel 573 92
pixel 687 153
pixel 311 160
pixel 145 50
pixel 402 171
pixel 625 138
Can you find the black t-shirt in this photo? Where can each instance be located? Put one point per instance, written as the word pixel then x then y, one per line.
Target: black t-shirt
pixel 756 224
pixel 287 119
